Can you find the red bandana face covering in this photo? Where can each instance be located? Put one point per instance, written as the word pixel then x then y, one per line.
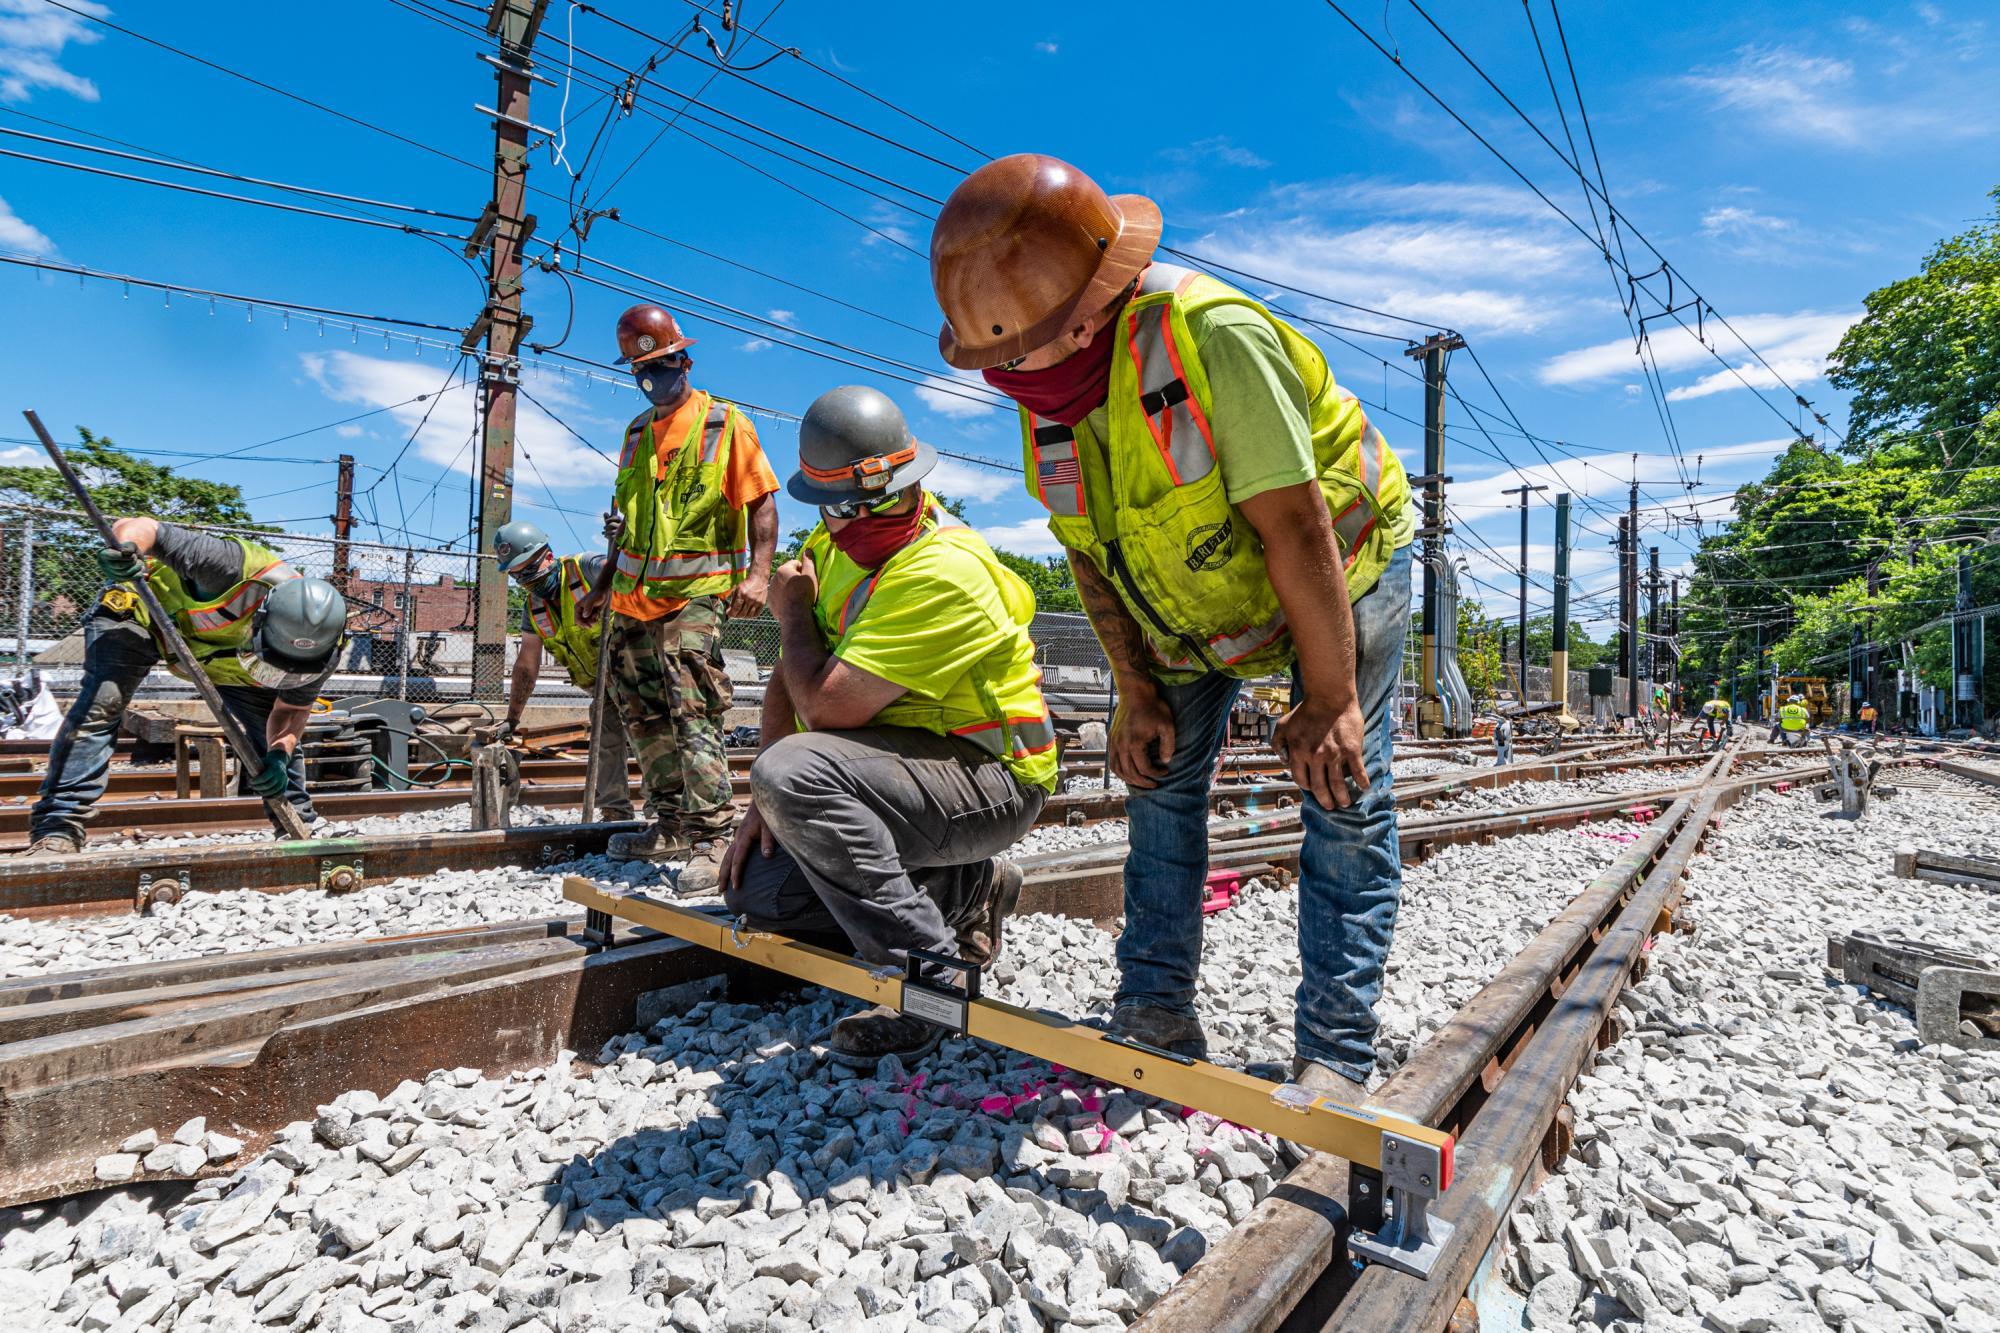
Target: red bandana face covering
pixel 871 539
pixel 1069 390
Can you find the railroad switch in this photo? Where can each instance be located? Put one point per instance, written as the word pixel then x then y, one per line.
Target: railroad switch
pixel 1412 1162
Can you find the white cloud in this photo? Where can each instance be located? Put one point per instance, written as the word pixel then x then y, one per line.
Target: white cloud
pixel 1787 92
pixel 349 432
pixel 1216 148
pixel 1486 259
pixel 24 455
pixel 754 344
pixel 780 316
pixel 1028 537
pixel 1046 48
pixel 441 435
pixel 1797 344
pixel 1732 222
pixel 960 395
pixel 1603 477
pixel 973 484
pixel 20 235
pixel 32 38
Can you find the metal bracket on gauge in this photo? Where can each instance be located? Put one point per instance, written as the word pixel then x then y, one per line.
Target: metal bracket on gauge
pixel 936 1001
pixel 1408 1239
pixel 597 926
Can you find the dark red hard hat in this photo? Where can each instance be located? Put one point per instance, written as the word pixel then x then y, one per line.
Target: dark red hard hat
pixel 647 333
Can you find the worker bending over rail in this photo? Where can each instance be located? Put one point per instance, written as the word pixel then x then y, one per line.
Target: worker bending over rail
pixel 549 625
pixel 691 544
pixel 906 743
pixel 1229 513
pixel 1716 720
pixel 267 636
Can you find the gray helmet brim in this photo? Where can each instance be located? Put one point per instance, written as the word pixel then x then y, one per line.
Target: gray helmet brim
pixel 809 492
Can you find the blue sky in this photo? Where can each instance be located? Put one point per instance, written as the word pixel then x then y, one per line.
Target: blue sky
pixel 1786 163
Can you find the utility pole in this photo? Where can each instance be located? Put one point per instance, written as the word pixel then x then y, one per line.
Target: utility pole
pixel 1432 352
pixel 343 522
pixel 1524 491
pixel 1559 623
pixel 502 230
pixel 1873 686
pixel 1653 616
pixel 1674 650
pixel 1627 658
pixel 1632 602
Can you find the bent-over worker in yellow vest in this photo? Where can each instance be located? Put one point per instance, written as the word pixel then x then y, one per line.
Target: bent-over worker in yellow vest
pixel 694 532
pixel 1716 719
pixel 1230 513
pixel 265 635
pixel 906 743
pixel 556 587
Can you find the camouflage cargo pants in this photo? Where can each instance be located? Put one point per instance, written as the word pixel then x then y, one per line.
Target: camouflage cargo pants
pixel 668 680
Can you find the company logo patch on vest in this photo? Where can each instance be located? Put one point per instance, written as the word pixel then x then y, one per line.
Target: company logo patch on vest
pixel 1209 545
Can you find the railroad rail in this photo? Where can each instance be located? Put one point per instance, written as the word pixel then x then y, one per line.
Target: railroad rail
pixel 259 1039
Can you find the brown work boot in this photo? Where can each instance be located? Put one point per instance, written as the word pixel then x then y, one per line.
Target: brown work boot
pixel 1160 1028
pixel 53 844
pixel 979 938
pixel 648 844
pixel 859 1040
pixel 703 871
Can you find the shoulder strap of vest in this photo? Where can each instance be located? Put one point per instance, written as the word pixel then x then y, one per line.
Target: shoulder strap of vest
pixel 639 429
pixel 1160 277
pixel 715 428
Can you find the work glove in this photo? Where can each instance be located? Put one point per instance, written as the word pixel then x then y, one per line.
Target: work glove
pixel 120 564
pixel 502 730
pixel 272 779
pixel 614 524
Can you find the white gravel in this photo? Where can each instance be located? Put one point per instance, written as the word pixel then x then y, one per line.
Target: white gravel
pixel 715 1175
pixel 1771 1148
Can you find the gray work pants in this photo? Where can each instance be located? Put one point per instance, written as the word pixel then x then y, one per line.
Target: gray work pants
pixel 886 838
pixel 613 794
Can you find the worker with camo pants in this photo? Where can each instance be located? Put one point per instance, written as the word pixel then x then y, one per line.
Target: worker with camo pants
pixel 691 545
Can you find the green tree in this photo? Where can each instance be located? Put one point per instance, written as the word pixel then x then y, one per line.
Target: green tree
pixel 122 484
pixel 1051 580
pixel 1924 360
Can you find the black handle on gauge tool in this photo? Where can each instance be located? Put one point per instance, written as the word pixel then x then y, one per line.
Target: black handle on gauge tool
pixel 939 1002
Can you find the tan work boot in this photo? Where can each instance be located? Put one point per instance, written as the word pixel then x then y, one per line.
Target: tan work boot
pixel 649 844
pixel 52 844
pixel 859 1040
pixel 979 938
pixel 703 871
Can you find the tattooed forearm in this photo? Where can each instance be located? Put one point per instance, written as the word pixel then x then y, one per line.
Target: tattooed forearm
pixel 1124 641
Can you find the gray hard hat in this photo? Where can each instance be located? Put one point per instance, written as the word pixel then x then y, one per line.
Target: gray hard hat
pixel 300 624
pixel 854 442
pixel 518 544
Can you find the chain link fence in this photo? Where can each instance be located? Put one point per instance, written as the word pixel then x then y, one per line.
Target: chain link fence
pixel 410 614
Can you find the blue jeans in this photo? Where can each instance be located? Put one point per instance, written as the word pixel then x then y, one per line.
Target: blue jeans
pixel 117 654
pixel 1350 869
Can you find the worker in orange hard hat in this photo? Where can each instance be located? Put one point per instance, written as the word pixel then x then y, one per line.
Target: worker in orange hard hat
pixel 694 529
pixel 1229 512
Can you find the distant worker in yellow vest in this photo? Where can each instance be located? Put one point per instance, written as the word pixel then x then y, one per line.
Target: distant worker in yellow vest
pixel 1716 719
pixel 906 742
pixel 556 587
pixel 1869 717
pixel 1229 512
pixel 696 528
pixel 1793 722
pixel 265 635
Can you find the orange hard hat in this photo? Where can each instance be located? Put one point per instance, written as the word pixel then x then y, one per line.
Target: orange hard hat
pixel 648 332
pixel 1026 247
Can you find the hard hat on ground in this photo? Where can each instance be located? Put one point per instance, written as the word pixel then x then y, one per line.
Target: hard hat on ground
pixel 854 444
pixel 1025 248
pixel 299 626
pixel 518 545
pixel 647 333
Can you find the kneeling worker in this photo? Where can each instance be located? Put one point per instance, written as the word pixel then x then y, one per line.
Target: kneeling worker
pixel 265 635
pixel 1793 722
pixel 906 743
pixel 549 624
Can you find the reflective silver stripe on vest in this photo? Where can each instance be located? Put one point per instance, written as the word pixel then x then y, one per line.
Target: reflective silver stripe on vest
pixel 1233 648
pixel 1015 737
pixel 1058 473
pixel 1179 428
pixel 243 601
pixel 711 430
pixel 1353 524
pixel 692 565
pixel 640 427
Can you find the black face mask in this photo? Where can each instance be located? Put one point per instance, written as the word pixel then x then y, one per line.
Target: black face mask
pixel 661 383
